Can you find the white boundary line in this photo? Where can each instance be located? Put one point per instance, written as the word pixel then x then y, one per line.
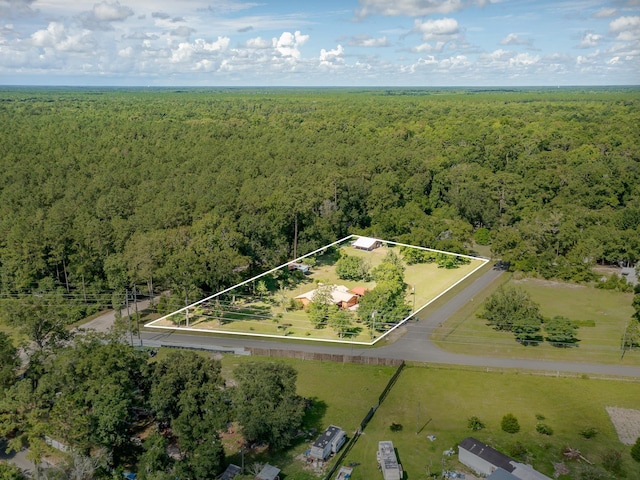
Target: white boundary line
pixel 326 340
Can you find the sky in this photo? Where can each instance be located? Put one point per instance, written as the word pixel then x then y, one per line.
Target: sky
pixel 411 43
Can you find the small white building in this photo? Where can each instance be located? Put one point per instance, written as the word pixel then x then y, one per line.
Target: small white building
pixel 386 455
pixel 366 243
pixel 268 472
pixel 327 443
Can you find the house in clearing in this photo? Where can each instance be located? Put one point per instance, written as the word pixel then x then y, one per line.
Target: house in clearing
pixel 328 442
pixel 486 460
pixel 367 243
pixel 340 296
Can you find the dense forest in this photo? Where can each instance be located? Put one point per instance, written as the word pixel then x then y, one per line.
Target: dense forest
pixel 193 190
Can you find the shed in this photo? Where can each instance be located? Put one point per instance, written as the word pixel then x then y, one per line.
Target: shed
pixel 268 472
pixel 366 243
pixel 344 473
pixel 386 455
pixel 329 442
pixel 482 458
pixel 231 472
pixel 486 460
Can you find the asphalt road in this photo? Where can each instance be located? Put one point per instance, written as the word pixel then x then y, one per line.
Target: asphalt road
pixel 413 345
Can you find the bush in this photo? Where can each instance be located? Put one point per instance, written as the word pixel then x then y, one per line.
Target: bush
pixel 635 450
pixel 475 424
pixel 612 462
pixel 544 429
pixel 395 427
pixel 517 450
pixel 510 424
pixel 589 432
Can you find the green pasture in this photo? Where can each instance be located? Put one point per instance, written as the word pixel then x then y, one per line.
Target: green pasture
pixel 270 314
pixel 438 401
pixel 601 314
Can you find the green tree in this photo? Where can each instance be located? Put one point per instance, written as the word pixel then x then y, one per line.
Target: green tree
pixel 266 403
pixel 512 309
pixel 341 321
pixel 9 361
pixel 350 267
pixel 322 306
pixel 635 450
pixel 510 424
pixel 154 459
pixel 10 472
pixel 561 331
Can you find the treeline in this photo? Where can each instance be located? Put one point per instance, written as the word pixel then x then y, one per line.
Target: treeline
pixel 111 407
pixel 195 190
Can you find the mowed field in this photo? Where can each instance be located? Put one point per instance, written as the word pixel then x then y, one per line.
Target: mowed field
pixel 437 402
pixel 270 315
pixel 602 315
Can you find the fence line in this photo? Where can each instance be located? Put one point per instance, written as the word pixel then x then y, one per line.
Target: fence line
pixel 324 357
pixel 367 418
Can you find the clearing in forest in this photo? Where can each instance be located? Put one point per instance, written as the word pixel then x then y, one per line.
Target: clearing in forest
pixel 356 290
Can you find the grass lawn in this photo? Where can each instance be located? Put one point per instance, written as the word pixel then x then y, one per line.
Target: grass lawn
pixel 242 310
pixel 439 401
pixel 602 314
pixel 341 395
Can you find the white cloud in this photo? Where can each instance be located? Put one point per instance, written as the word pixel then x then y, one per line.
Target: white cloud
pixel 590 40
pixel 111 12
pixel 331 57
pixel 200 47
pixel 605 13
pixel 368 41
pixel 409 8
pixel 626 28
pixel 428 48
pixel 57 38
pixel 514 39
pixel 258 43
pixel 444 28
pixel 288 43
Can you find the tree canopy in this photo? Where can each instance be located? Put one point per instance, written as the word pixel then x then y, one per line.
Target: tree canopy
pixel 196 189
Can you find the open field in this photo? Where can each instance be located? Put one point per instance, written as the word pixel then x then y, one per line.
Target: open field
pixel 439 401
pixel 601 314
pixel 267 305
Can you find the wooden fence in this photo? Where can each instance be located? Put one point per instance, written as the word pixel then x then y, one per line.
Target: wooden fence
pixel 324 357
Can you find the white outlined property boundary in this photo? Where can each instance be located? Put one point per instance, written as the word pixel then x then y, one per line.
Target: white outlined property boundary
pixel 483 261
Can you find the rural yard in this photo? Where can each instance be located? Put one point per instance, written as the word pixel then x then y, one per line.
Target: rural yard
pixel 276 304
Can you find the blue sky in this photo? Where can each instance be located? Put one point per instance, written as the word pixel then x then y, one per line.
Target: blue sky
pixel 320 42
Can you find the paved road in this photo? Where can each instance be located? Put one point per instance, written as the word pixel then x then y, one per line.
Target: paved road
pixel 414 345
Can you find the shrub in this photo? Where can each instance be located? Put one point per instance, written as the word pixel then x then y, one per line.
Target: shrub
pixel 589 432
pixel 475 424
pixel 540 417
pixel 635 450
pixel 517 450
pixel 612 462
pixel 510 424
pixel 395 427
pixel 544 429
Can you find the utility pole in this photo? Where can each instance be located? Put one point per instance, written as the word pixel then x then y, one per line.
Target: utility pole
pixel 135 304
pixel 129 315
